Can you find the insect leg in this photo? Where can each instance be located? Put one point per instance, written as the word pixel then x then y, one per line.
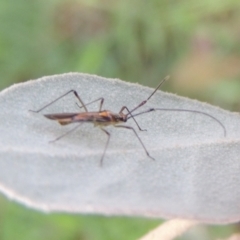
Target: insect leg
pixel 109 135
pixel 131 128
pixel 131 116
pixel 63 135
pixel 71 91
pixel 99 99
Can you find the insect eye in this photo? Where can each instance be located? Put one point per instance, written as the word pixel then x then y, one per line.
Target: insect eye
pixel 123 119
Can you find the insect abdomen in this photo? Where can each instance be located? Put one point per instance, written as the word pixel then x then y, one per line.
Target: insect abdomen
pixel 62 118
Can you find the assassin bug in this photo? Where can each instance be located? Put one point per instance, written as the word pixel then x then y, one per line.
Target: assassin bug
pixel 103 118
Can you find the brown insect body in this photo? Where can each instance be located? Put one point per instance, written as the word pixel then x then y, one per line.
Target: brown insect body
pixel 102 118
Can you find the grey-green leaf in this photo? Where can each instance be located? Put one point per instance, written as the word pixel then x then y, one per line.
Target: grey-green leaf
pixel 196 172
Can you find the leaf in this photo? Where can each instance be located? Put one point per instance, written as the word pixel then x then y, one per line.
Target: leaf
pixel 195 174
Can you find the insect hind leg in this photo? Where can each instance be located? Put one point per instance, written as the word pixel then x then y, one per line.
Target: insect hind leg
pixel 65 134
pixel 71 91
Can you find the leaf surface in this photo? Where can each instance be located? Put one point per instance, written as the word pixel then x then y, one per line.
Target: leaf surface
pixel 195 175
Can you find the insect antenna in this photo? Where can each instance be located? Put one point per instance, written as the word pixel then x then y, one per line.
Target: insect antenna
pixel 130 115
pixel 145 101
pixel 183 110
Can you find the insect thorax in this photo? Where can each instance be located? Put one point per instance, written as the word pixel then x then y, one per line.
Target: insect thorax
pixel 111 118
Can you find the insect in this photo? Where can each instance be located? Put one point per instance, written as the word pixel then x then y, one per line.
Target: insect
pixel 104 118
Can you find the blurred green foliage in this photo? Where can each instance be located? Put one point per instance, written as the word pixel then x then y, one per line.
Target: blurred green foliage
pixel 20 223
pixel 196 42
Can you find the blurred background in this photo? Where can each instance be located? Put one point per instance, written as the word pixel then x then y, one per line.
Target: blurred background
pixel 196 42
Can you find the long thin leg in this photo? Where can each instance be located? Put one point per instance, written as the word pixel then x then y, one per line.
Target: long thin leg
pixel 109 135
pixel 145 101
pixel 63 135
pixel 101 103
pixel 131 128
pixel 71 91
pixel 131 116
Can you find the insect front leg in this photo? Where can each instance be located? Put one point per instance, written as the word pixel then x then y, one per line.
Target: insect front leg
pixel 131 116
pixel 139 139
pixel 71 91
